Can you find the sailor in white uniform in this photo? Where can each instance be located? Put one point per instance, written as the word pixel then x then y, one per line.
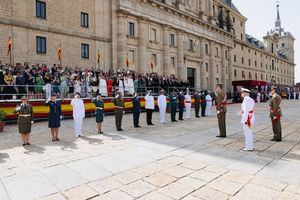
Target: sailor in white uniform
pixel 248 118
pixel 188 104
pixel 162 105
pixel 78 114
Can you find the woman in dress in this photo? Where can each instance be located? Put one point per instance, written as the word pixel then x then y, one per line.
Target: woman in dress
pixel 99 112
pixel 25 119
pixel 54 116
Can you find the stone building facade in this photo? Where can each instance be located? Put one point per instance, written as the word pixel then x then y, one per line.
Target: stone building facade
pixel 203 41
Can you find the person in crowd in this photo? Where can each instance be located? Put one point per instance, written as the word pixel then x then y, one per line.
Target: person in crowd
pixel 258 97
pixel 181 105
pixel 208 99
pixel 99 112
pixel 136 110
pixel 275 115
pixel 221 100
pixel 54 115
pixel 203 103
pixel 119 110
pixel 25 119
pixel 47 82
pixel 197 100
pixel 102 86
pixel 173 106
pixel 188 105
pixel 149 107
pixel 162 106
pixel 8 89
pixel 248 118
pixel 78 114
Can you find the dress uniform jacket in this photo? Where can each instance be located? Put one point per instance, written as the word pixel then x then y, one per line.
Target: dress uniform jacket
pixel 136 110
pixel 54 114
pixel 119 108
pixel 99 112
pixel 173 105
pixel 275 111
pixel 25 117
pixel 221 109
pixel 197 100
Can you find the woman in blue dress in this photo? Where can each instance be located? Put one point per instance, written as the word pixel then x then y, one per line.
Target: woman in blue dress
pixel 54 116
pixel 99 112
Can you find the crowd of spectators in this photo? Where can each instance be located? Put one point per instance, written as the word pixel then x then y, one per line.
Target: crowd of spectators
pixel 39 81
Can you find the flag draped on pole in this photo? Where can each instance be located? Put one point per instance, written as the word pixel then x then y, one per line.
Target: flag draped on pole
pixel 127 61
pixel 98 57
pixel 59 52
pixel 9 45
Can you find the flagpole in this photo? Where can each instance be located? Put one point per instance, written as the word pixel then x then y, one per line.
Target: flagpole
pixel 10 58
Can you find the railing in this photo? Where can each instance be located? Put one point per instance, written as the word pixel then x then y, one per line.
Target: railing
pixel 15 92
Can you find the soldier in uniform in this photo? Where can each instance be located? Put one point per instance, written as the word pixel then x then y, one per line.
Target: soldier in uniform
pixel 181 99
pixel 203 103
pixel 54 115
pixel 248 118
pixel 221 99
pixel 78 114
pixel 173 105
pixel 197 104
pixel 25 119
pixel 275 115
pixel 136 110
pixel 99 112
pixel 149 106
pixel 119 110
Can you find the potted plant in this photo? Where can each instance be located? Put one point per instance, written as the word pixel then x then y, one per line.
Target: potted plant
pixel 2 116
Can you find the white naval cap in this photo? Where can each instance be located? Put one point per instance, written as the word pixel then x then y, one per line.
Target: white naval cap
pixel 245 90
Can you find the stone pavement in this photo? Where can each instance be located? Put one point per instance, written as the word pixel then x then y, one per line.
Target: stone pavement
pixel 181 160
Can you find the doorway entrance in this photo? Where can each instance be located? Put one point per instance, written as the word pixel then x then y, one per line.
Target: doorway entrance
pixel 191 76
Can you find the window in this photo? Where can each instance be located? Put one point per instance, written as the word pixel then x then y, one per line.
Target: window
pixel 241 36
pixel 40 9
pixel 84 20
pixel 234 58
pixel 206 66
pixel 249 62
pixel 206 48
pixel 241 24
pixel 217 52
pixel 153 35
pixel 41 45
pixel 233 19
pixel 154 59
pixel 226 54
pixel 172 40
pixel 131 29
pixel 255 63
pixel 282 45
pixel 131 56
pixel 250 75
pixel 85 51
pixel 191 45
pixel 235 73
pixel 249 50
pixel 217 69
pixel 217 80
pixel 173 61
pixel 242 60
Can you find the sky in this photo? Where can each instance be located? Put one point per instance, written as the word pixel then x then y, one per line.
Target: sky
pixel 261 15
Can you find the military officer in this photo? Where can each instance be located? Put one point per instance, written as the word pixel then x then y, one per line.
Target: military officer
pixel 275 115
pixel 221 99
pixel 181 105
pixel 25 119
pixel 203 103
pixel 136 110
pixel 197 104
pixel 99 112
pixel 162 105
pixel 248 118
pixel 149 106
pixel 173 105
pixel 188 104
pixel 54 115
pixel 78 114
pixel 119 110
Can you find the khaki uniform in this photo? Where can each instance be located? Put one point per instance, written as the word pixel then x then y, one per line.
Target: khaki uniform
pixel 275 111
pixel 25 117
pixel 119 108
pixel 221 109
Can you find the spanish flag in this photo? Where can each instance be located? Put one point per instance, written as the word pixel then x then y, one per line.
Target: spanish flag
pixel 59 52
pixel 98 57
pixel 9 45
pixel 127 61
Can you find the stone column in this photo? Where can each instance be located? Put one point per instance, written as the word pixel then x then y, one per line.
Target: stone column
pixel 202 64
pixel 230 69
pixel 181 72
pixel 211 76
pixel 212 18
pixel 223 67
pixel 166 51
pixel 121 40
pixel 143 65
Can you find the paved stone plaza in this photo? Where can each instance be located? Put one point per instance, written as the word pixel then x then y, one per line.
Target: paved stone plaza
pixel 181 160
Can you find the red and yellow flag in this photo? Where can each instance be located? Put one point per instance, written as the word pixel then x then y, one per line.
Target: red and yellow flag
pixel 9 45
pixel 127 61
pixel 59 52
pixel 98 57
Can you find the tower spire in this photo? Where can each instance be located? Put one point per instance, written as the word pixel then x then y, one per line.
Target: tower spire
pixel 278 28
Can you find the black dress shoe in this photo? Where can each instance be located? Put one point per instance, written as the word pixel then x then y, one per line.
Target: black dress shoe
pixel 53 140
pixel 197 117
pixel 101 132
pixel 57 139
pixel 151 124
pixel 220 136
pixel 23 144
pixel 138 126
pixel 27 143
pixel 120 130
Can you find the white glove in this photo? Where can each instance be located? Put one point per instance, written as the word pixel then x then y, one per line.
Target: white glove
pixel 32 122
pixel 18 108
pixel 61 117
pixel 123 112
pixel 218 112
pixel 48 100
pixel 117 96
